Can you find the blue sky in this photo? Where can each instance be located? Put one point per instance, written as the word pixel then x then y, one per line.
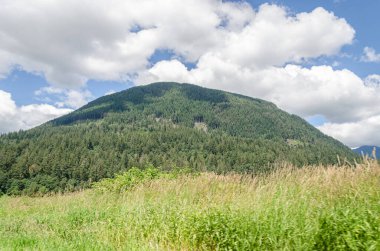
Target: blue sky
pixel 66 54
pixel 363 16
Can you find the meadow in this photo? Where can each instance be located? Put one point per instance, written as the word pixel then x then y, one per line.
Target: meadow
pixel 312 208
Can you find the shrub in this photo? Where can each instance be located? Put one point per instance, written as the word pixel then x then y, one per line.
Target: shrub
pixel 134 176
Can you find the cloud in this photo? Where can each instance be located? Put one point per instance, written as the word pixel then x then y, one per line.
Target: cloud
pixel 349 103
pixel 338 95
pixel 274 37
pixel 372 81
pixel 355 134
pixel 234 47
pixel 64 97
pixel 370 55
pixel 70 42
pixel 110 92
pixel 13 118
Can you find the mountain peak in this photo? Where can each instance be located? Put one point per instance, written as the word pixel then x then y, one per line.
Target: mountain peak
pixel 167 125
pixel 146 94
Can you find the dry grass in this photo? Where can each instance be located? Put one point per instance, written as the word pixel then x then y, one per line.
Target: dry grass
pixel 313 208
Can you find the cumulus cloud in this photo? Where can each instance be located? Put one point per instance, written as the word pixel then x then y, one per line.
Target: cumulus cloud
pixel 64 97
pixel 355 134
pixel 344 99
pixel 71 42
pixel 370 55
pixel 274 37
pixel 13 118
pixel 372 81
pixel 339 95
pixel 234 47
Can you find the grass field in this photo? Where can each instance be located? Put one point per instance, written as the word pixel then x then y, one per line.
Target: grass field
pixel 314 208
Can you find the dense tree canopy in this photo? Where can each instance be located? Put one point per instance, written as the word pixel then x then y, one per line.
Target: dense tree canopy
pixel 164 124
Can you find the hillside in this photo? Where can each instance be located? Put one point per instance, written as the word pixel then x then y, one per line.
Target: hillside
pixel 164 124
pixel 368 150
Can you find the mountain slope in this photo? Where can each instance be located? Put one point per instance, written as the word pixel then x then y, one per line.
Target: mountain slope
pixel 164 124
pixel 368 150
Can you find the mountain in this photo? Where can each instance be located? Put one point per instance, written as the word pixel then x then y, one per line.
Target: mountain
pixel 161 124
pixel 368 150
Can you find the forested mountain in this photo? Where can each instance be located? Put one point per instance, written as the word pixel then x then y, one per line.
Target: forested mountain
pixel 163 124
pixel 368 150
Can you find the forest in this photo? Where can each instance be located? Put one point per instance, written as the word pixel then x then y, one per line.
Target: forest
pixel 167 125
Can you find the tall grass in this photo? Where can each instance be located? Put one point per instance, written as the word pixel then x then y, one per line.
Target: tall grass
pixel 313 208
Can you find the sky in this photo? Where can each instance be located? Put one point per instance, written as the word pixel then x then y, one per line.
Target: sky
pixel 319 59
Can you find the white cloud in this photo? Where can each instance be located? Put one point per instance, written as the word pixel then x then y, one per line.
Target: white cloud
pixel 338 95
pixel 370 55
pixel 66 97
pixel 110 92
pixel 274 37
pixel 76 99
pixel 8 106
pixel 172 70
pixel 36 114
pixel 355 134
pixel 70 41
pixel 234 47
pixel 372 81
pixel 13 118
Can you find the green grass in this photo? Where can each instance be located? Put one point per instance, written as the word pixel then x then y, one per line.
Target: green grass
pixel 314 208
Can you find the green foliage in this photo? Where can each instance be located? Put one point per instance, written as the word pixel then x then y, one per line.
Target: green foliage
pixel 314 208
pixel 157 124
pixel 135 176
pixel 221 229
pixel 348 228
pixel 126 180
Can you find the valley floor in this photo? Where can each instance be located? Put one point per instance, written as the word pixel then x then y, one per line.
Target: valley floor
pixel 314 208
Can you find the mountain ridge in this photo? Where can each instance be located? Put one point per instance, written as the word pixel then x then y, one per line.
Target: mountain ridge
pixel 368 150
pixel 162 124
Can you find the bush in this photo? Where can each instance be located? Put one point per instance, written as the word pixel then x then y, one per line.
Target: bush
pixel 134 176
